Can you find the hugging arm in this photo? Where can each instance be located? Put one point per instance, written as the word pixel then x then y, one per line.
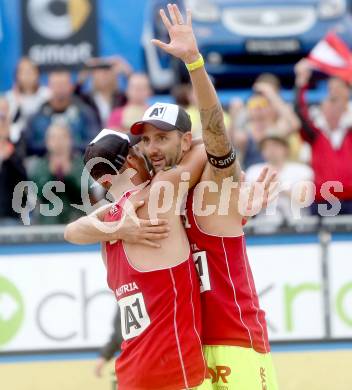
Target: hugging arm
pixel 92 229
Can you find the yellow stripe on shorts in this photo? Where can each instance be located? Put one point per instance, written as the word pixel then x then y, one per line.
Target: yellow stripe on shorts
pixel 237 368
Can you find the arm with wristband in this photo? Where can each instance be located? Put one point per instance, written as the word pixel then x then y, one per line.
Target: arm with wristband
pixel 222 161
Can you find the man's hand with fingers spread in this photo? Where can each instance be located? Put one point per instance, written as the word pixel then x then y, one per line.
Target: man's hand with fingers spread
pixel 183 44
pixel 255 197
pixel 141 231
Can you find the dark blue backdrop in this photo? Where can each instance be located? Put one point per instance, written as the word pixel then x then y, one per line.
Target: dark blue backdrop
pixel 120 24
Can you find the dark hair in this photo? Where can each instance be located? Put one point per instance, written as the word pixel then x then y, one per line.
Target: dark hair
pixel 60 71
pixel 102 168
pixel 181 94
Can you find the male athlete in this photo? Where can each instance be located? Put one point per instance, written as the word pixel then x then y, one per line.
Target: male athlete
pixel 157 288
pixel 232 347
pixel 234 328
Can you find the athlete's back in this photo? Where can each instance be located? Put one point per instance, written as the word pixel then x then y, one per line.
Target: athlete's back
pixel 230 307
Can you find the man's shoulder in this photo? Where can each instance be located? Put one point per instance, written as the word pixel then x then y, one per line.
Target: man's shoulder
pixel 44 111
pixel 166 175
pixel 82 107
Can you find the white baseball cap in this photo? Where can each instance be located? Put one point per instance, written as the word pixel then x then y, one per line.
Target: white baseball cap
pixel 164 116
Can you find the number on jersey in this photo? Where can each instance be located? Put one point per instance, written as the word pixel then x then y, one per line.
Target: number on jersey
pixel 134 316
pixel 185 221
pixel 201 261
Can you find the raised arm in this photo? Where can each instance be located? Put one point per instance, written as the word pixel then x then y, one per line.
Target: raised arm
pixel 288 121
pixel 303 72
pixel 183 45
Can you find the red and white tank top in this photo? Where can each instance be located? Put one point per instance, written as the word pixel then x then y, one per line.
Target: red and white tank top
pixel 160 321
pixel 230 308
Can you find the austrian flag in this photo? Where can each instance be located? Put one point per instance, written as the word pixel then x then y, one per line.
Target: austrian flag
pixel 332 56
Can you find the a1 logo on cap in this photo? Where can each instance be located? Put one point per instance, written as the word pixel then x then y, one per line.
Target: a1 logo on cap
pixel 157 112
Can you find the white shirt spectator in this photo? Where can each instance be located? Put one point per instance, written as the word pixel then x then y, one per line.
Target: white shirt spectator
pixel 289 176
pixel 24 106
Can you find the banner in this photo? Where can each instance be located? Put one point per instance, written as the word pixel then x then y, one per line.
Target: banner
pixel 53 301
pixel 340 283
pixel 59 33
pixel 55 297
pixel 290 290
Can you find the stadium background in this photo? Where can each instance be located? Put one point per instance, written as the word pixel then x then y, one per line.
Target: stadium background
pixel 60 311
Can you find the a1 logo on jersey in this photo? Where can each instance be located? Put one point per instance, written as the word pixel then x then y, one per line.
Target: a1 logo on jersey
pixel 134 316
pixel 201 262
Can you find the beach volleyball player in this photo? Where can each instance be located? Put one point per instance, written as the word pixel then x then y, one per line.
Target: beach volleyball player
pixel 157 288
pixel 234 327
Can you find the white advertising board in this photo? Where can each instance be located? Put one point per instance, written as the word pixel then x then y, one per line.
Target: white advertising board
pixel 289 285
pixel 340 277
pixel 60 300
pixel 54 301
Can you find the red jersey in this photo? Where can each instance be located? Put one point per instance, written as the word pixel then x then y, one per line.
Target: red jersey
pixel 230 306
pixel 329 163
pixel 160 322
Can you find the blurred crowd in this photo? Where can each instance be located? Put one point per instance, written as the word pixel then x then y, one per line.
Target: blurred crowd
pixel 45 128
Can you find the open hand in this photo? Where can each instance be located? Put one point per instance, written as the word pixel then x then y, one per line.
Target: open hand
pixel 255 197
pixel 183 44
pixel 265 89
pixel 141 231
pixel 303 71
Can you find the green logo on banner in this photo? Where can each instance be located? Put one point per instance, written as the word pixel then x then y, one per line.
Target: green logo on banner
pixel 11 310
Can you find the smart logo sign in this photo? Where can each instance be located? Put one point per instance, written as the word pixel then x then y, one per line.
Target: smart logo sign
pixel 59 32
pixel 11 311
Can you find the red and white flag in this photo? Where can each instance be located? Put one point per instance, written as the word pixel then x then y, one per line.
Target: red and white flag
pixel 332 56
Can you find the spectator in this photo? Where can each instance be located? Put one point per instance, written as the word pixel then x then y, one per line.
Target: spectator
pixel 184 97
pixel 327 129
pixel 60 164
pixel 26 96
pixel 275 150
pixel 62 108
pixel 105 95
pixel 266 111
pixel 12 170
pixel 111 347
pixel 138 92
